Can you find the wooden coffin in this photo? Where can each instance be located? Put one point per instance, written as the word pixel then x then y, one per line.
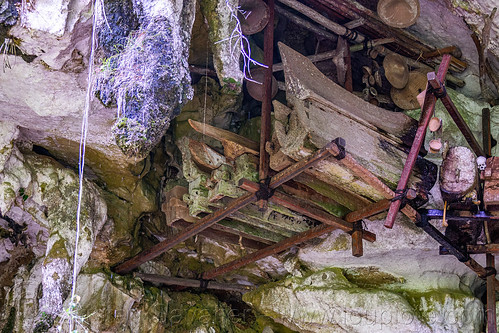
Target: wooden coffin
pixel 318 111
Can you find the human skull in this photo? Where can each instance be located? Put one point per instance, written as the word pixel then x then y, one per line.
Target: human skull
pixel 481 161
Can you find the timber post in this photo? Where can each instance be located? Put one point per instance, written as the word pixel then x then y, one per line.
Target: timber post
pixel 426 113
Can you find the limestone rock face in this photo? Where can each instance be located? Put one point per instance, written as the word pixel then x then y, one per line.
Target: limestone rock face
pixel 327 301
pixel 39 200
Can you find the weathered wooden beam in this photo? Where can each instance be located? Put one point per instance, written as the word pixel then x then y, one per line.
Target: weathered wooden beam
pixel 486 134
pixel 223 135
pixel 305 24
pixel 191 283
pixel 190 231
pixel 357 246
pixel 227 235
pixel 235 205
pixel 375 182
pixel 426 114
pixel 352 10
pixel 491 294
pixel 328 24
pixel 461 254
pixel 268 251
pixel 265 125
pixel 308 210
pixel 286 244
pixel 437 85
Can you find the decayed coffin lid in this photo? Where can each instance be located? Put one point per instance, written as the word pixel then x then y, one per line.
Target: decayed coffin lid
pixel 322 111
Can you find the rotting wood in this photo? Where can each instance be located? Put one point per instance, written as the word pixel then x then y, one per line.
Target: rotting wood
pixel 287 243
pixel 310 211
pixel 328 24
pixel 375 136
pixel 481 47
pixel 265 120
pixel 426 113
pixel 205 156
pixel 486 134
pixel 357 246
pixel 202 71
pixel 248 145
pixel 305 24
pixel 207 221
pixel 307 194
pixel 268 251
pixel 227 235
pixel 191 283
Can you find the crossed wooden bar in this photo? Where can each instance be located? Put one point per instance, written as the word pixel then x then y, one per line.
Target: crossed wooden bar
pixel 435 89
pixel 254 195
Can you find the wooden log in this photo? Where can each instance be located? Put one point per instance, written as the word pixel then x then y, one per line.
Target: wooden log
pixel 317 17
pixel 305 24
pixel 191 283
pixel 357 246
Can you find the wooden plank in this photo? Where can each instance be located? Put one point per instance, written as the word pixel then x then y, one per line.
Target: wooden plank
pixel 221 135
pixel 191 283
pixel 221 234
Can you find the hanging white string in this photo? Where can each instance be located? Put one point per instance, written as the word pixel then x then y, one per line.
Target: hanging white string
pixel 238 39
pixel 81 162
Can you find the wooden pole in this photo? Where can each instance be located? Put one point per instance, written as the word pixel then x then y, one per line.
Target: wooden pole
pixel 285 244
pixel 305 24
pixel 328 24
pixel 437 85
pixel 289 202
pixel 426 114
pixel 209 220
pixel 486 137
pixel 265 126
pixel 491 296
